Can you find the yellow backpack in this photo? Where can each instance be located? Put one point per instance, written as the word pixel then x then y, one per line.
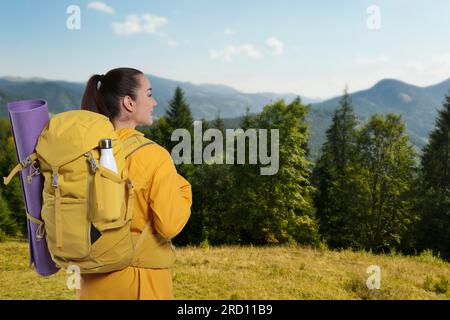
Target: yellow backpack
pixel 86 208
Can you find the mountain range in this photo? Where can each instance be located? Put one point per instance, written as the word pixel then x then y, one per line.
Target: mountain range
pixel 417 105
pixel 206 100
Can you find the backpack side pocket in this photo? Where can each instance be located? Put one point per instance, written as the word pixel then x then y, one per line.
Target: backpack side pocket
pixel 109 198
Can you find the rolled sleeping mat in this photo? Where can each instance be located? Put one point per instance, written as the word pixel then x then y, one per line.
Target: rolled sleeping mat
pixel 28 118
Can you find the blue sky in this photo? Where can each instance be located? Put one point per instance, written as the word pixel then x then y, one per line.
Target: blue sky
pixel 312 48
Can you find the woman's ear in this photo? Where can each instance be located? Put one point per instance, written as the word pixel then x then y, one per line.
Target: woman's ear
pixel 128 103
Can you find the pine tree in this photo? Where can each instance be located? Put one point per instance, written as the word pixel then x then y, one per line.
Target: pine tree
pixel 341 135
pixel 160 132
pixel 12 193
pixel 212 186
pixel 434 187
pixel 219 124
pixel 246 121
pixel 334 177
pixel 210 221
pixel 7 224
pixel 179 115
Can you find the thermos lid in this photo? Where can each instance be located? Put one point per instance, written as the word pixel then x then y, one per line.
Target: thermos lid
pixel 105 144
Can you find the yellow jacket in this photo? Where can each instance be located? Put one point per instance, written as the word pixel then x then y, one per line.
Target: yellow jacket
pixel 163 198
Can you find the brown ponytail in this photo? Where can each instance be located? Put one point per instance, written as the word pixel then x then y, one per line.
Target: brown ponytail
pixel 103 92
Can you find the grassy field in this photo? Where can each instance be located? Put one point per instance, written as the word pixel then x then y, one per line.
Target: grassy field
pixel 257 273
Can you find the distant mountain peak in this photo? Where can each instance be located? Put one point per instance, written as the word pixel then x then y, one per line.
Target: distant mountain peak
pixel 388 82
pixel 219 88
pixel 23 79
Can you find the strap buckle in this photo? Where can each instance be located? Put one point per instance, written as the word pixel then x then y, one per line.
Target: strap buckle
pixel 36 172
pixel 130 184
pixel 55 180
pixel 90 158
pixel 40 232
pixel 26 162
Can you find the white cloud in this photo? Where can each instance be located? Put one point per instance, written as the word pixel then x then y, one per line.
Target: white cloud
pixel 229 32
pixel 227 53
pixel 146 23
pixel 425 72
pixel 275 45
pixel 100 6
pixel 438 63
pixel 435 68
pixel 375 60
pixel 172 43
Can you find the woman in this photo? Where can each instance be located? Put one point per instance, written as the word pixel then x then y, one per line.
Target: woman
pixel 162 197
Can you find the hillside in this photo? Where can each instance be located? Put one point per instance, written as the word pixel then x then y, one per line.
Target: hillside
pixel 258 273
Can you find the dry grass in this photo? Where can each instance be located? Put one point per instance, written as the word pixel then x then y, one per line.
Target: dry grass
pixel 257 273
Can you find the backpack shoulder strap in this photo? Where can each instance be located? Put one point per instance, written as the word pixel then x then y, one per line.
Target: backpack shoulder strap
pixel 134 143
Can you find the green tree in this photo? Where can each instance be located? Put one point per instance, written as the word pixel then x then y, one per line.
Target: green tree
pixel 12 193
pixel 212 207
pixel 211 187
pixel 271 209
pixel 14 198
pixel 8 225
pixel 160 132
pixel 219 124
pixel 247 120
pixel 8 156
pixel 386 167
pixel 434 187
pixel 179 115
pixel 335 177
